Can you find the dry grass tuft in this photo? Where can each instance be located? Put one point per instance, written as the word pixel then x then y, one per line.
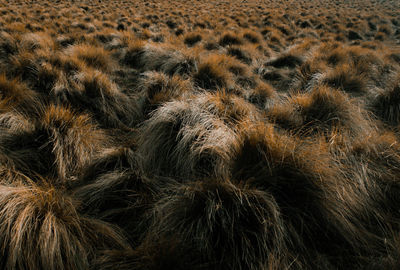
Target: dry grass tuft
pixel 386 104
pixel 324 111
pixel 41 229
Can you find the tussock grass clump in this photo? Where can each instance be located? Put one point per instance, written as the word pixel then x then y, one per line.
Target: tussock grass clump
pixel 222 233
pixel 111 189
pixel 263 96
pixel 286 60
pixel 378 157
pixel 8 45
pixel 221 72
pixel 372 162
pixel 305 182
pixel 94 92
pixel 273 38
pixel 197 136
pixel 211 45
pixel 276 164
pixel 307 75
pixel 17 95
pixel 323 111
pixel 133 53
pixel 42 230
pixel 33 41
pixel 347 79
pixel 241 54
pixel 386 104
pixel 157 88
pixel 356 70
pixel 157 59
pixel 58 145
pixel 24 64
pixel 11 120
pixel 266 159
pixel 230 39
pixel 228 107
pixel 192 39
pixel 212 74
pixel 280 79
pixel 94 57
pixel 252 37
pixel 74 138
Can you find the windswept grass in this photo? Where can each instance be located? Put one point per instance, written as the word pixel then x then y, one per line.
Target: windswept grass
pixel 244 135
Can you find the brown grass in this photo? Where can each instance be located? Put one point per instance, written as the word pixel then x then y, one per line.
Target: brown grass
pixel 40 228
pixel 199 134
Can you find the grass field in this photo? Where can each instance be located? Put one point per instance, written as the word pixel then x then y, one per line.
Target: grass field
pixel 196 135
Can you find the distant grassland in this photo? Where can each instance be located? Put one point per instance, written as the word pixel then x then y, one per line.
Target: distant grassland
pixel 236 135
